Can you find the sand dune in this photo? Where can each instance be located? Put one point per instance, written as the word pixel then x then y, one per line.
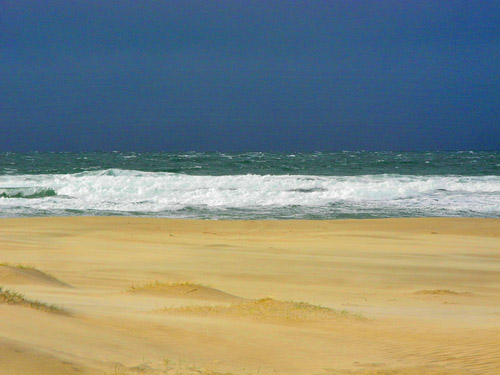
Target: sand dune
pixel 20 274
pixel 268 309
pixel 185 290
pixel 16 359
pixel 367 297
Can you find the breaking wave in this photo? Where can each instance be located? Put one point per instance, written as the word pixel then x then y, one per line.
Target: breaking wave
pixel 26 192
pixel 167 194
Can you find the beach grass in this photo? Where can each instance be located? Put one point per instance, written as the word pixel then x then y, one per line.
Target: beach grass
pixel 169 366
pixel 442 292
pixel 18 265
pixel 268 309
pixel 14 298
pixel 164 284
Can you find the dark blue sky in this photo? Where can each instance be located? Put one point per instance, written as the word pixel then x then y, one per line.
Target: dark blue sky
pixel 249 75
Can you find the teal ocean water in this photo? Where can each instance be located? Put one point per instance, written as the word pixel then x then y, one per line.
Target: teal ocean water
pixel 253 185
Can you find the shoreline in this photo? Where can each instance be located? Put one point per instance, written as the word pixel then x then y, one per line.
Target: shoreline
pixel 483 226
pixel 415 296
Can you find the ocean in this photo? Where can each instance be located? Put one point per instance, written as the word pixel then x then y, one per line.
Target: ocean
pixel 251 185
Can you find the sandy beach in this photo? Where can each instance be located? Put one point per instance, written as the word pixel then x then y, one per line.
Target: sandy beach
pixel 118 295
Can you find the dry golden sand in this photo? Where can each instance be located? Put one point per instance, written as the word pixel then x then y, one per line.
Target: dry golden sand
pixel 154 296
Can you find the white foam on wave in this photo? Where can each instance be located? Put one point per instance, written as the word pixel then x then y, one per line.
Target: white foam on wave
pixel 134 191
